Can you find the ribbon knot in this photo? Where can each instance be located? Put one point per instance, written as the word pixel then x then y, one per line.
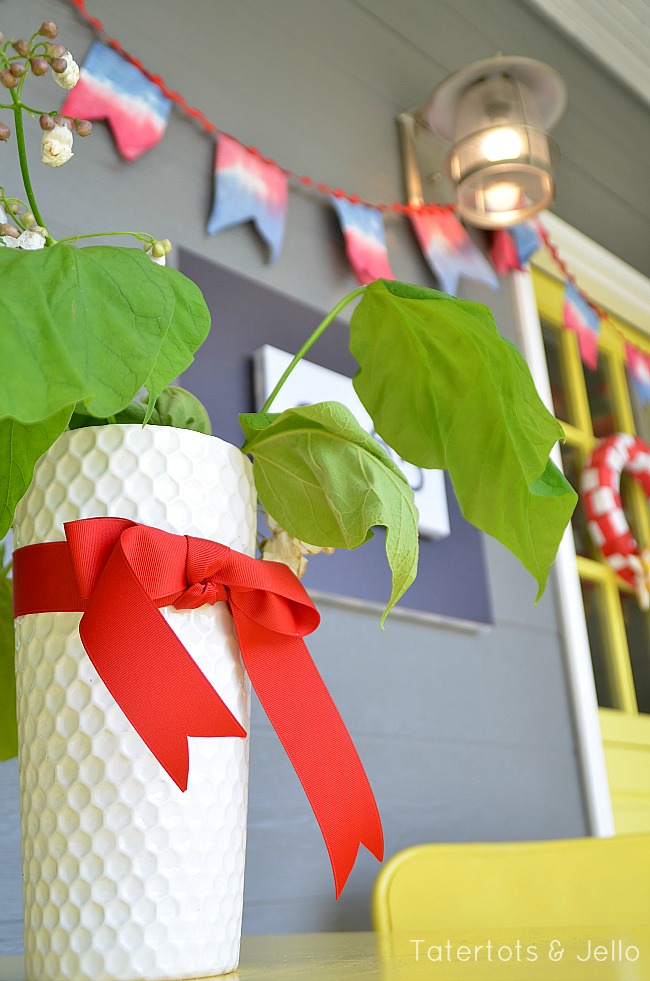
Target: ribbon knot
pixel 199 593
pixel 204 570
pixel 117 573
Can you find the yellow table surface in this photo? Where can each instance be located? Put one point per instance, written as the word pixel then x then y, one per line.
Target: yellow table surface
pixel 586 956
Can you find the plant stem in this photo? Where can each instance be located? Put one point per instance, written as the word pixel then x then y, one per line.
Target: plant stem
pixel 141 236
pixel 22 156
pixel 33 112
pixel 311 341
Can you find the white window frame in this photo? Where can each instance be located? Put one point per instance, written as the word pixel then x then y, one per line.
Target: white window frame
pixel 613 285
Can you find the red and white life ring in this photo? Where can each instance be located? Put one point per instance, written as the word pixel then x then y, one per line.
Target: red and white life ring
pixel 600 489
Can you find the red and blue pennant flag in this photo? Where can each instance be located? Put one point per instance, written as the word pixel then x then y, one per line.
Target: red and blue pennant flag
pixel 111 88
pixel 248 188
pixel 365 239
pixel 512 248
pixel 503 252
pixel 580 316
pixel 639 364
pixel 449 250
pixel 527 240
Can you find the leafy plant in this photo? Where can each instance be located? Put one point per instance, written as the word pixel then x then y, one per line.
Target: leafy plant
pixel 86 331
pixel 445 391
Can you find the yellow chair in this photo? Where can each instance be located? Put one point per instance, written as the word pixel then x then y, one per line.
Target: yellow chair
pixel 583 882
pixel 567 910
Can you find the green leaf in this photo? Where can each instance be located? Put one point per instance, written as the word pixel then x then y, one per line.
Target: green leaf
pixel 174 407
pixel 445 390
pixel 91 324
pixel 178 408
pixel 187 330
pixel 8 731
pixel 21 445
pixel 328 483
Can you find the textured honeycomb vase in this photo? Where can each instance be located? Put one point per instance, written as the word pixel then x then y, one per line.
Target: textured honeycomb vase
pixel 124 876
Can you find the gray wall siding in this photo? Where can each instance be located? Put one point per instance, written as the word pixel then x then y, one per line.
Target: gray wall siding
pixel 464 736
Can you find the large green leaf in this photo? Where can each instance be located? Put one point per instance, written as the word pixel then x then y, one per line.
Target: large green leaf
pixel 187 330
pixel 21 444
pixel 445 390
pixel 328 483
pixel 8 733
pixel 92 324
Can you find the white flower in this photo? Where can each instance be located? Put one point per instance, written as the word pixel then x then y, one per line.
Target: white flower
pixel 283 547
pixel 56 146
pixel 69 78
pixel 160 260
pixel 30 239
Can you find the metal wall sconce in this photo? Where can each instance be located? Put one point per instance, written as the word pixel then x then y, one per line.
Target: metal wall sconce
pixel 496 115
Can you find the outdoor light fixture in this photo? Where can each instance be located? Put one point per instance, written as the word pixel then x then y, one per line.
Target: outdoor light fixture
pixel 496 114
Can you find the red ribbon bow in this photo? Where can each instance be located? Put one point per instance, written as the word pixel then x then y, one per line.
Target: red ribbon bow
pixel 118 572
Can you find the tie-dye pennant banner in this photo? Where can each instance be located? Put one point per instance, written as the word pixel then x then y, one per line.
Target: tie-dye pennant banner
pixel 113 89
pixel 639 364
pixel 503 252
pixel 365 239
pixel 512 248
pixel 580 316
pixel 449 250
pixel 527 240
pixel 248 188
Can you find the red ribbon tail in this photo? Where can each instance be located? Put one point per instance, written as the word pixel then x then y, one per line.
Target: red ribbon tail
pixel 118 573
pixel 315 738
pixel 151 676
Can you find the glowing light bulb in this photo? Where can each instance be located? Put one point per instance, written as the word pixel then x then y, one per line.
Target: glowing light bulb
pixel 503 143
pixel 502 196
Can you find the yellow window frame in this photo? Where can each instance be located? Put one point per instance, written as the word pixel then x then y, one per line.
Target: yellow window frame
pixel 614 333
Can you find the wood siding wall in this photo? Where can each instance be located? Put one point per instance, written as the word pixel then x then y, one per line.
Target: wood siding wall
pixel 464 736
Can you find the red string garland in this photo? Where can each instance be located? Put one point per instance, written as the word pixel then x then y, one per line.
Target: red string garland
pixel 564 269
pixel 210 127
pixel 396 207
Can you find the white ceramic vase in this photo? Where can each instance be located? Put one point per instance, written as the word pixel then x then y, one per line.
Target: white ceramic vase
pixel 125 876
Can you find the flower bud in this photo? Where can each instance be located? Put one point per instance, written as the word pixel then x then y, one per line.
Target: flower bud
pixel 63 121
pixel 39 65
pixel 55 51
pixel 21 46
pixel 46 122
pixel 56 146
pixel 158 250
pixel 5 132
pixel 7 79
pixel 14 207
pixel 28 219
pixel 17 68
pixel 67 77
pixel 10 230
pixel 83 127
pixel 48 29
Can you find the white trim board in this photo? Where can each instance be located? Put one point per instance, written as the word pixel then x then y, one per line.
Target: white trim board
pixel 572 626
pixel 616 32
